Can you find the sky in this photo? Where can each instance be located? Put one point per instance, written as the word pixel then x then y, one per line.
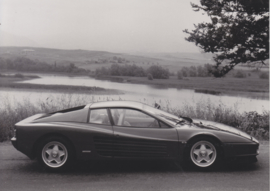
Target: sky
pixel 104 25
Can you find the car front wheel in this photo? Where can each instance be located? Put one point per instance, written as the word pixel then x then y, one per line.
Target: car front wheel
pixel 55 153
pixel 203 153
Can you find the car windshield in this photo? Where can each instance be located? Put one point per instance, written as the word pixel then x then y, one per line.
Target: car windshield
pixel 171 119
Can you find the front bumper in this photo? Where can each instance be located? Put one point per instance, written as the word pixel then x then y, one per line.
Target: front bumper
pixel 240 149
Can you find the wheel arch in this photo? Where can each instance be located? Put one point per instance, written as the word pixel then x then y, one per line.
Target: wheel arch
pixel 201 136
pixel 197 136
pixel 45 136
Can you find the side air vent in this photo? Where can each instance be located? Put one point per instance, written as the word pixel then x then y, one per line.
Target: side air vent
pixel 130 148
pixel 139 148
pixel 103 145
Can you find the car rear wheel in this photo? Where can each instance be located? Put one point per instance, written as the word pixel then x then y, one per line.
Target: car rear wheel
pixel 55 153
pixel 203 153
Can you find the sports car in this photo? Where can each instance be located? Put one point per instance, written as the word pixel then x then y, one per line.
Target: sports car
pixel 128 130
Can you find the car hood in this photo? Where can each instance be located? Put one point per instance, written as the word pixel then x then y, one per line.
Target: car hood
pixel 222 127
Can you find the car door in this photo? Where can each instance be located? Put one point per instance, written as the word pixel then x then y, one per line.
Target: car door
pixel 139 135
pixel 100 132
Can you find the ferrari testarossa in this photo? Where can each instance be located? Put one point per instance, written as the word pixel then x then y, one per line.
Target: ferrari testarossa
pixel 128 130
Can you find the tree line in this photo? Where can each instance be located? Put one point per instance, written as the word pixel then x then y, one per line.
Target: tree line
pixel 114 59
pixel 28 65
pixel 195 71
pixel 157 72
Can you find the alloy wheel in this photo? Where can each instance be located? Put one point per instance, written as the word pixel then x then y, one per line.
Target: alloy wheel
pixel 54 154
pixel 203 154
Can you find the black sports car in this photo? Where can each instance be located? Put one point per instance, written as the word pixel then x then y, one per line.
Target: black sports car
pixel 130 130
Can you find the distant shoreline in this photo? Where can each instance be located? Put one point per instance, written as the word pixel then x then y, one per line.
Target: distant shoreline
pixel 244 87
pixel 11 82
pixel 206 85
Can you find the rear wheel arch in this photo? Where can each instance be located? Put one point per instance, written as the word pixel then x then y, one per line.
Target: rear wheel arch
pixel 46 136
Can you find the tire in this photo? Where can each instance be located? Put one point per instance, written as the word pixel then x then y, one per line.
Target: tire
pixel 203 153
pixel 55 153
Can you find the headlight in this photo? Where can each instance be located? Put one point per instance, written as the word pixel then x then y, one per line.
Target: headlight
pixel 255 140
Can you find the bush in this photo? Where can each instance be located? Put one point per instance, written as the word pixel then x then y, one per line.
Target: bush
pixel 200 71
pixel 184 71
pixel 255 124
pixel 149 76
pixel 264 75
pixel 252 123
pixel 192 71
pixel 121 70
pixel 158 72
pixel 179 75
pixel 204 71
pixel 240 74
pixel 102 71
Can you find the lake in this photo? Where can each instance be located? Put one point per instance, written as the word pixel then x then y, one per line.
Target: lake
pixel 137 92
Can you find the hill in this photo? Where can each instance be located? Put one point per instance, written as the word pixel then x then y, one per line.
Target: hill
pixel 91 60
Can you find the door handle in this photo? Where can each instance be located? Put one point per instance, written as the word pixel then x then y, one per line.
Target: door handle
pixel 117 136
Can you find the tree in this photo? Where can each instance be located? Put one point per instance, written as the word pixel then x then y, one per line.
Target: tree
pixel 158 72
pixel 238 32
pixel 71 67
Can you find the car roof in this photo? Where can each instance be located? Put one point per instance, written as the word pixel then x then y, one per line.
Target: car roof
pixel 131 104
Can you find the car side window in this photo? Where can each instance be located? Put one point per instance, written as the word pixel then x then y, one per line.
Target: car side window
pixel 99 116
pixel 133 118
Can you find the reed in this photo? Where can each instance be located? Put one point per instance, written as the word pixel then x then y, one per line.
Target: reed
pixel 13 111
pixel 253 123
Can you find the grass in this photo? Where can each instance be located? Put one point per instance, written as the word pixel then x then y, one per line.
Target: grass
pixel 12 111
